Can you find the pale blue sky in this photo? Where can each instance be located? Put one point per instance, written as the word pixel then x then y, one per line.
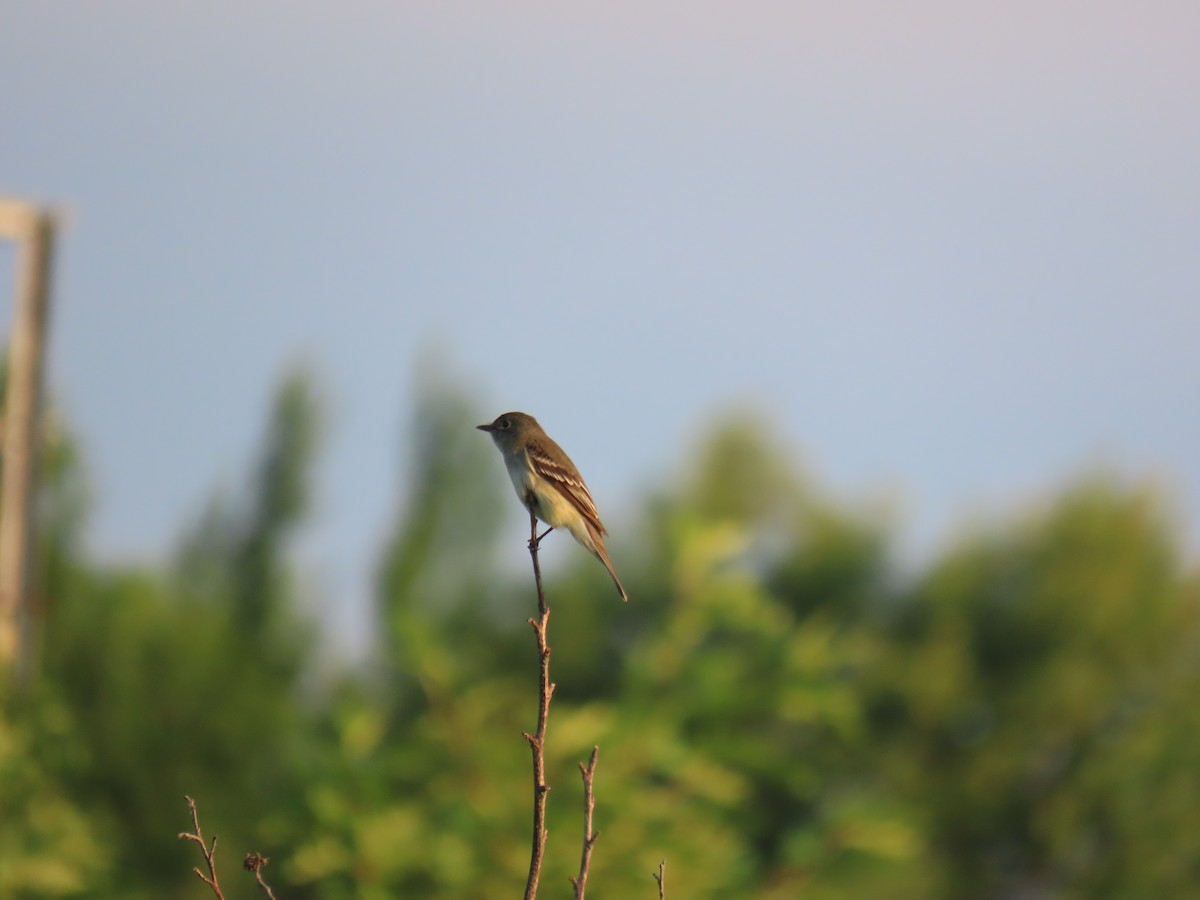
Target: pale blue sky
pixel 951 249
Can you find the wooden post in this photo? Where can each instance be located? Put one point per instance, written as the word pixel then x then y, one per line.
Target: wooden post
pixel 33 230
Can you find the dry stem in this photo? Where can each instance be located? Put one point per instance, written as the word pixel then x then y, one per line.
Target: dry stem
pixel 537 741
pixel 256 862
pixel 589 837
pixel 659 876
pixel 209 851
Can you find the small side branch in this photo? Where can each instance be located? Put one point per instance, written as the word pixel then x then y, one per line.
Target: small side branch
pixel 209 851
pixel 659 876
pixel 256 862
pixel 537 741
pixel 589 836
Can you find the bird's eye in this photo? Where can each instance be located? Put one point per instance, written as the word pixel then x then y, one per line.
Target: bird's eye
pixel 505 424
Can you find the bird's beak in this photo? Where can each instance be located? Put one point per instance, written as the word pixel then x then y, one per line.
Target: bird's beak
pixel 487 427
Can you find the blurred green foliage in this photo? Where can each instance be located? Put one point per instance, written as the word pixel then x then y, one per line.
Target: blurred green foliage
pixel 781 713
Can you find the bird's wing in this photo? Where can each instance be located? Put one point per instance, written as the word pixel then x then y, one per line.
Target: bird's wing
pixel 567 480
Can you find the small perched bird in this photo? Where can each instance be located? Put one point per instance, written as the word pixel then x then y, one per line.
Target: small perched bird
pixel 548 484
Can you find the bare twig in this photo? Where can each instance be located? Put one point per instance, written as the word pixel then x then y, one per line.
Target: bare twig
pixel 659 876
pixel 209 850
pixel 537 741
pixel 256 862
pixel 589 837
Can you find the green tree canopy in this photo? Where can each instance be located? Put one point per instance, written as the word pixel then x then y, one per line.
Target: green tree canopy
pixel 780 712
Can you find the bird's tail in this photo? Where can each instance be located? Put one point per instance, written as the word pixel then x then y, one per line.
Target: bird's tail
pixel 602 554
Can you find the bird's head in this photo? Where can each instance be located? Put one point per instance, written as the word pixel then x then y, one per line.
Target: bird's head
pixel 509 427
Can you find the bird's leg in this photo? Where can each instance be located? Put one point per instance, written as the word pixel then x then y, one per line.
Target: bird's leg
pixel 535 541
pixel 531 505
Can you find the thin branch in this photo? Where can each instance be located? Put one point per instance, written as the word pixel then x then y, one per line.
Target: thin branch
pixel 659 876
pixel 209 850
pixel 537 741
pixel 589 837
pixel 256 862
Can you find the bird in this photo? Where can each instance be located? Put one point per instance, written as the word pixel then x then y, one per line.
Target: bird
pixel 549 485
